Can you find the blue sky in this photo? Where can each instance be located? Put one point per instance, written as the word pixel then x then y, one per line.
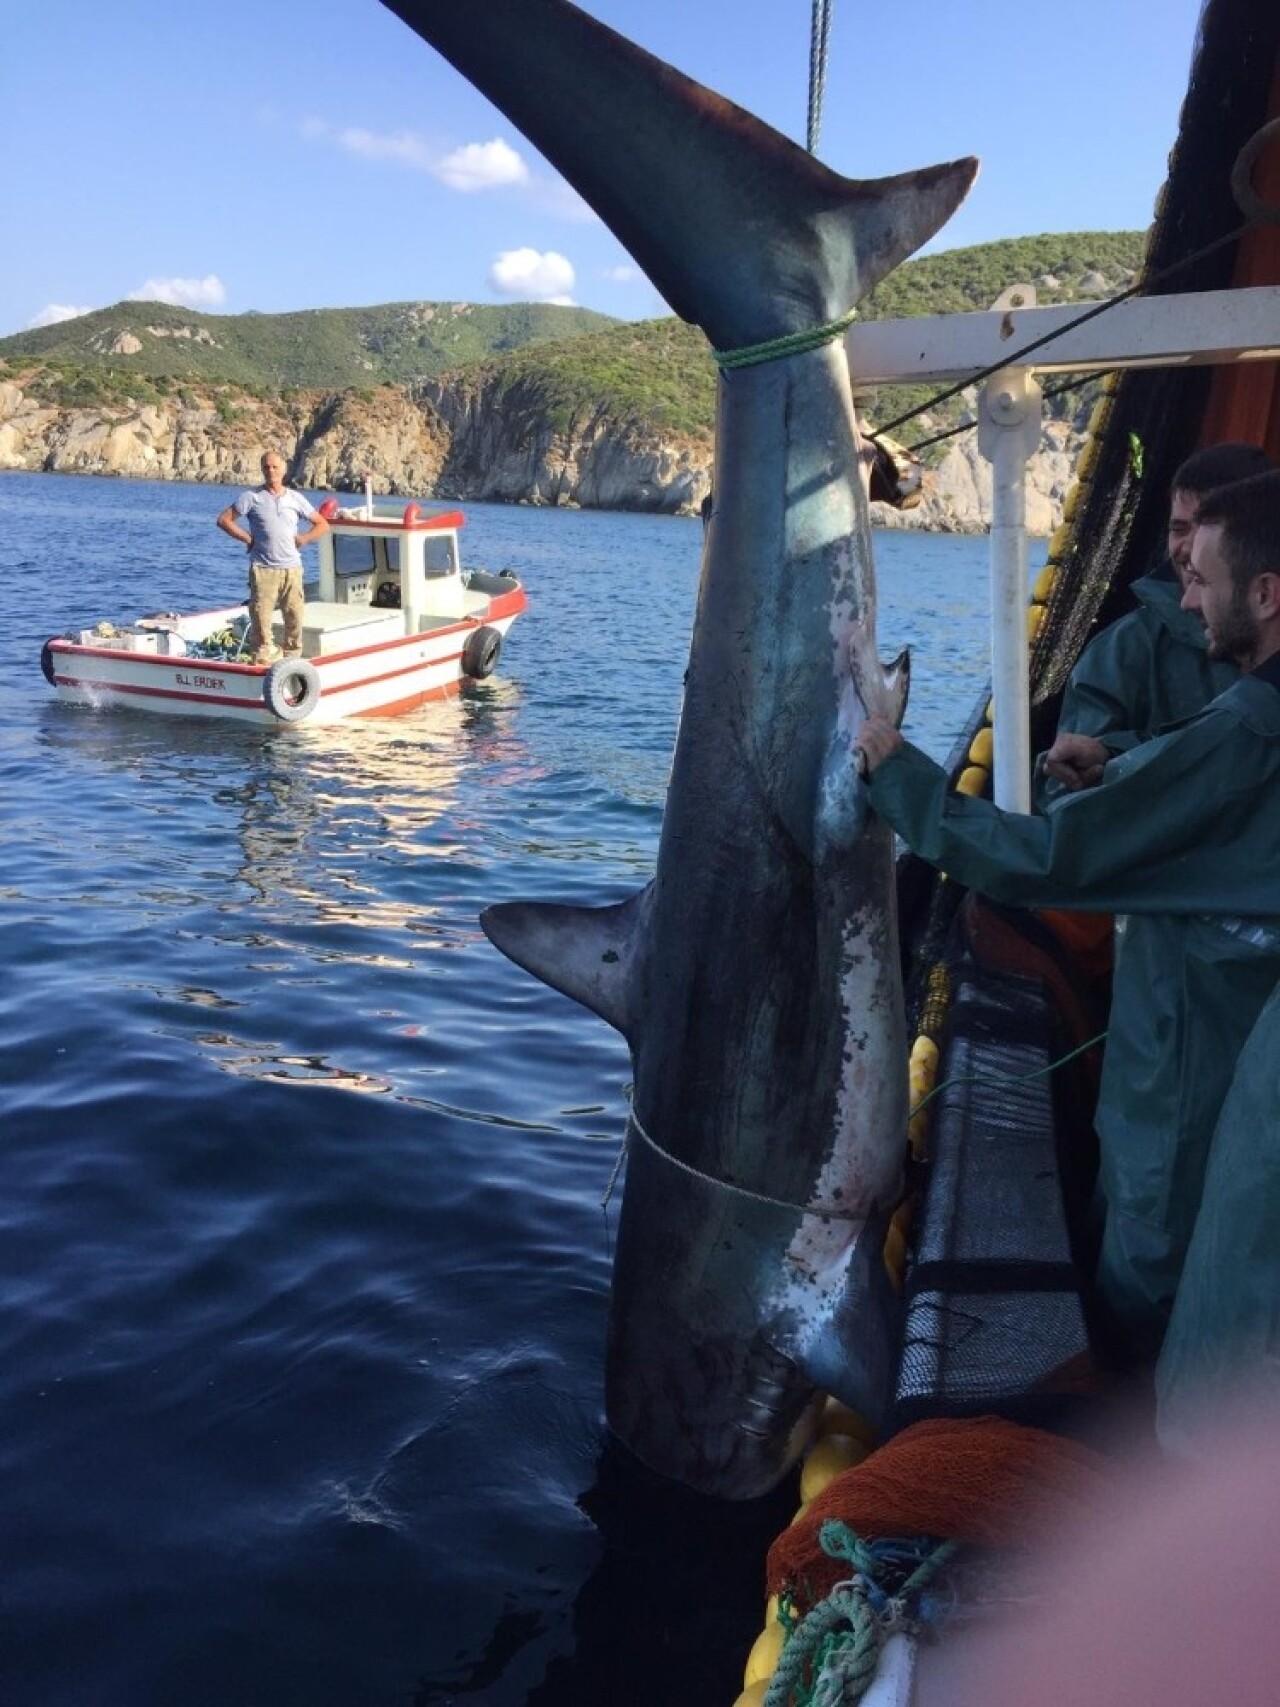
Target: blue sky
pixel 272 155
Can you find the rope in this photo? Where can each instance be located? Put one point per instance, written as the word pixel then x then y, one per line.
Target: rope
pixel 790 344
pixel 819 37
pixel 968 426
pixel 838 1645
pixel 994 1078
pixel 824 1212
pixel 724 1184
pixel 1015 357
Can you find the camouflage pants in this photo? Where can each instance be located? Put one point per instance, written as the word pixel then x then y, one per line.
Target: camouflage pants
pixel 270 589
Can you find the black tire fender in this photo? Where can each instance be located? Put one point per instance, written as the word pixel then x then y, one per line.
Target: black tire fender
pixel 291 689
pixel 46 663
pixel 481 652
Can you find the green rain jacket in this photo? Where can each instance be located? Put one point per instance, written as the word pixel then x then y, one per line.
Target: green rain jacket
pixel 1147 670
pixel 1142 673
pixel 1224 1334
pixel 1183 833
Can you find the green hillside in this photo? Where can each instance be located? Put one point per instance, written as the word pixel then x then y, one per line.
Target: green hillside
pixel 563 362
pixel 1057 264
pixel 329 348
pixel 1077 266
pixel 653 372
pixel 660 372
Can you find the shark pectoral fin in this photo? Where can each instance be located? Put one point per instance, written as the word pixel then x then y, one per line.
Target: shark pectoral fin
pixel 892 217
pixel 586 953
pixel 897 682
pixel 883 693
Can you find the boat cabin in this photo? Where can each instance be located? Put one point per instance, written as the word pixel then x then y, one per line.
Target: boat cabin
pixel 382 563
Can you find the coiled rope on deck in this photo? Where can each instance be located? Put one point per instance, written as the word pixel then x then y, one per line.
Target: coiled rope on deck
pixel 831 1656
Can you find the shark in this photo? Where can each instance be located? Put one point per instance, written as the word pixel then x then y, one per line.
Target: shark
pixel 757 977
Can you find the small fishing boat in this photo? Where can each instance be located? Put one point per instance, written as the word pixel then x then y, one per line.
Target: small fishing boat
pixel 392 621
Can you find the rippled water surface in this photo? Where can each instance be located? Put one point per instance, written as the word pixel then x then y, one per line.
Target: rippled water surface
pixel 305 1270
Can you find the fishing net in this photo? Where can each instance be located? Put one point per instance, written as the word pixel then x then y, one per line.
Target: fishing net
pixel 981 1480
pixel 1153 418
pixel 995 1311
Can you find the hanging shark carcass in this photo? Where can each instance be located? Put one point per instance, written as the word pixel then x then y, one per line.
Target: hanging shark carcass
pixel 756 978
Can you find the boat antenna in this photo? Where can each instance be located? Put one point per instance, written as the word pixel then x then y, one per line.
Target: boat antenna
pixel 819 35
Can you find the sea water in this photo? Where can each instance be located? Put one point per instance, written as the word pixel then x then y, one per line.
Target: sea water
pixel 304 1266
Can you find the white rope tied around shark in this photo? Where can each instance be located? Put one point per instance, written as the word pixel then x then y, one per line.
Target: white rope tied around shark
pixel 827 1214
pixel 818 1209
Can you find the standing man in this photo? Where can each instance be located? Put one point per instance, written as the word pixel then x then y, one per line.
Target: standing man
pixel 270 514
pixel 1182 833
pixel 1150 667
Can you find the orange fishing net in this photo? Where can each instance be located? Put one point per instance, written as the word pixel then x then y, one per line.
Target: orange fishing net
pixel 975 1479
pixel 994 935
pixel 1090 937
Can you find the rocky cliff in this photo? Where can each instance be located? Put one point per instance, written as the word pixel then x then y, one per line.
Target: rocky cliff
pixel 332 440
pixel 460 437
pixel 508 444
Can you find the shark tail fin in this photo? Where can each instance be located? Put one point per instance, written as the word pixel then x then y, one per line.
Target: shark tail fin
pixel 743 232
pixel 889 218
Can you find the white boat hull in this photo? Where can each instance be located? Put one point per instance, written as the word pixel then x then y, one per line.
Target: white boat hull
pixel 380 680
pixel 392 623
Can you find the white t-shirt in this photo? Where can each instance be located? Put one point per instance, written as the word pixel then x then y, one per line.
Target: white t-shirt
pixel 273 520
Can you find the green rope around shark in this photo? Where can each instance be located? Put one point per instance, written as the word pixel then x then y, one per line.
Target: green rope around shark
pixel 790 344
pixel 831 1656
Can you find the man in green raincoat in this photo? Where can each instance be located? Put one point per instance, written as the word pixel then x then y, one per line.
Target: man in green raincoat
pixel 1150 668
pixel 1223 1341
pixel 1183 833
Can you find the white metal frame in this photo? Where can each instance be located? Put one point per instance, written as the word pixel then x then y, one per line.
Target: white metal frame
pixel 1202 328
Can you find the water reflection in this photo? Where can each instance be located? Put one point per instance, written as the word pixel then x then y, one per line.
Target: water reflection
pixel 281 863
pixel 320 814
pixel 303 1070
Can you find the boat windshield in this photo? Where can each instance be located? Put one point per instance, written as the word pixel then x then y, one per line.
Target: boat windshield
pixel 362 554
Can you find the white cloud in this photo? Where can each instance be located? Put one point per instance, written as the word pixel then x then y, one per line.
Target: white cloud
pixel 208 292
pixel 620 275
pixel 54 312
pixel 473 167
pixel 482 166
pixel 534 276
